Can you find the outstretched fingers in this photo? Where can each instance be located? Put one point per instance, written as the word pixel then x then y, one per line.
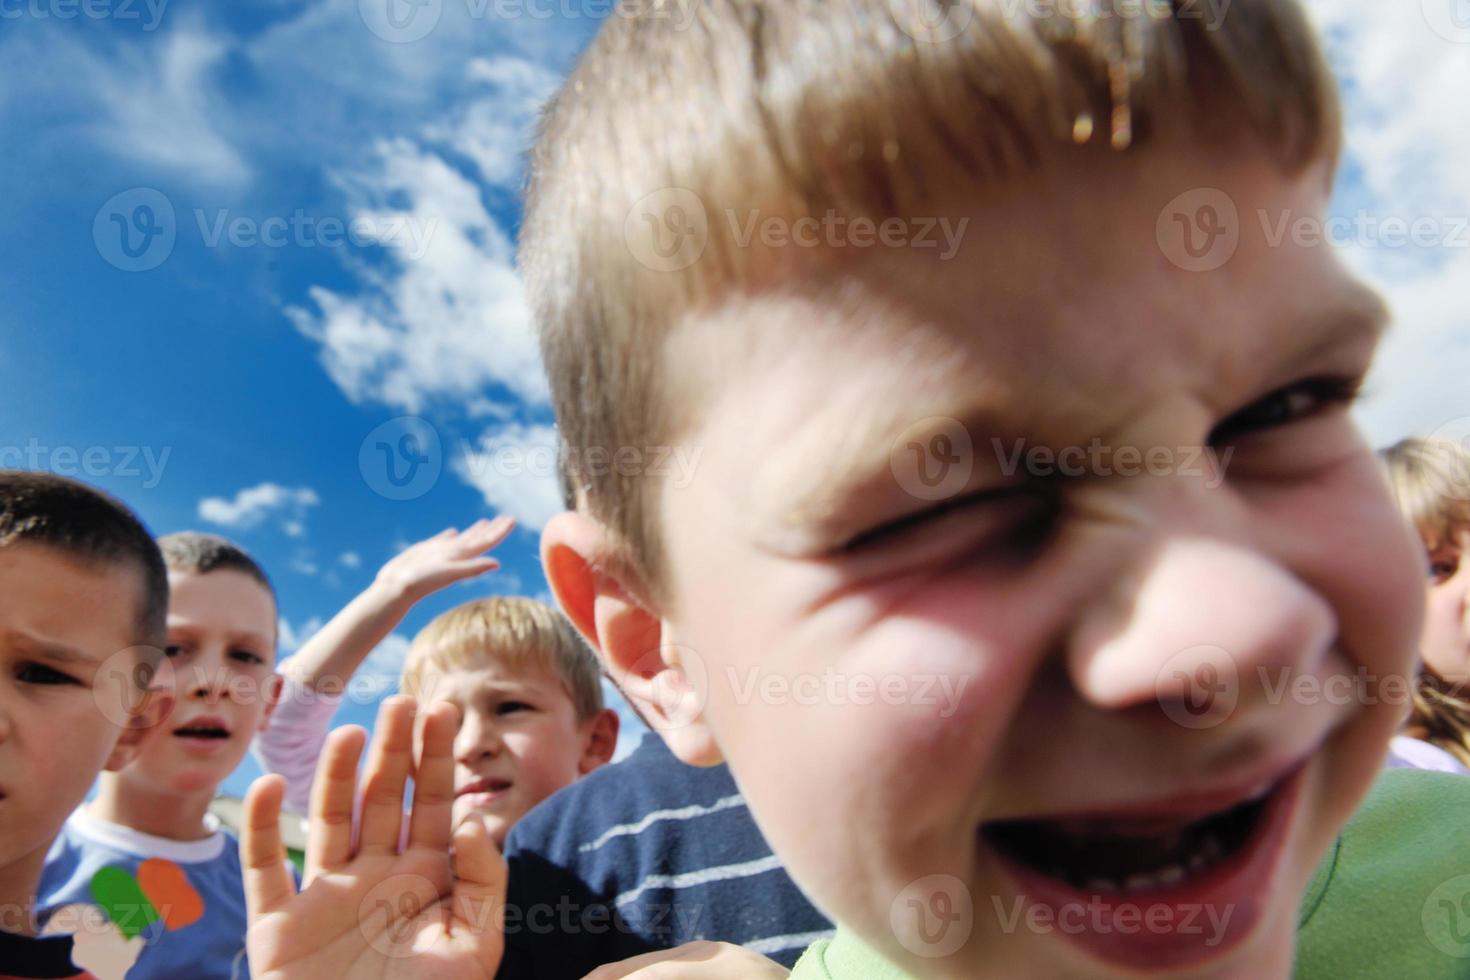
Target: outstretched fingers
pixel 433 781
pixel 333 796
pixel 268 884
pixel 389 761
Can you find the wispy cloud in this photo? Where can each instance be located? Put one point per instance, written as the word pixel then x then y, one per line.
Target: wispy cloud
pixel 446 325
pixel 1407 144
pixel 252 506
pixel 513 467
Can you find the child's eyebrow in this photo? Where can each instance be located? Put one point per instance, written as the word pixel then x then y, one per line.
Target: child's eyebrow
pixel 1365 318
pixel 52 650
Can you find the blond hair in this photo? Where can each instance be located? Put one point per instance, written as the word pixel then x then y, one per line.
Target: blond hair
pixel 1431 484
pixel 520 634
pixel 800 108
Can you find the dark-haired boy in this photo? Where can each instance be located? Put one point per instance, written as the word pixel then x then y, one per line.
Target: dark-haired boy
pixel 83 596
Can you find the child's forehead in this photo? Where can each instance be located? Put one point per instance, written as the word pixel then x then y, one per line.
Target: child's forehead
pixel 489 677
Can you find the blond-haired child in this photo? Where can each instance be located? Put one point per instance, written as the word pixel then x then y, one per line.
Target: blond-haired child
pixel 1431 482
pixel 1092 472
pixel 529 695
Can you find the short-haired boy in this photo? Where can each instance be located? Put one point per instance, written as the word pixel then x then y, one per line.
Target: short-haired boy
pixel 1091 472
pixel 81 631
pixel 529 693
pixel 146 851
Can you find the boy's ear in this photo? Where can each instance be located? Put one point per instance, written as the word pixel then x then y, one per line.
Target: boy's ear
pixel 601 600
pixel 154 708
pixel 602 740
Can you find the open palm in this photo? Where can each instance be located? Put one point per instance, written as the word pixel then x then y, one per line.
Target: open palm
pixel 368 911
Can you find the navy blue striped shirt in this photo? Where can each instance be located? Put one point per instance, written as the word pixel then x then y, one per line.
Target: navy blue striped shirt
pixel 645 854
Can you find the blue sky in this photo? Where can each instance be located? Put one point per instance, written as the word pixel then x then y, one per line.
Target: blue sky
pixel 320 207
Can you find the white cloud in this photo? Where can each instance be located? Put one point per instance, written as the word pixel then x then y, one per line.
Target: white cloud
pixel 1407 144
pixel 153 102
pixel 253 505
pixel 442 326
pixel 291 638
pixel 303 563
pixel 495 132
pixel 350 559
pixel 514 468
pixel 379 673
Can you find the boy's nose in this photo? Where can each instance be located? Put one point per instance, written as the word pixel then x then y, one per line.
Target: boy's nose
pixel 475 740
pixel 1196 616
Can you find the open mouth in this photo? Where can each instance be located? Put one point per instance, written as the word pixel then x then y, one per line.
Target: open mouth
pixel 1165 885
pixel 203 730
pixel 1127 856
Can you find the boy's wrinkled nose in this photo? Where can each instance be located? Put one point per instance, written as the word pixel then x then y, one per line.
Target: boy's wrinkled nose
pixel 475 740
pixel 1193 617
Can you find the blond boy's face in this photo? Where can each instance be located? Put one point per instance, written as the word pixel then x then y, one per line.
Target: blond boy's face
pixel 1005 723
pixel 67 636
pixel 519 740
pixel 221 651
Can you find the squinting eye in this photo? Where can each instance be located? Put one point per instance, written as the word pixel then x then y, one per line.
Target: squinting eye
pixel 245 656
pixel 1444 569
pixel 1285 405
pixel 41 674
pixel 510 707
pixel 172 651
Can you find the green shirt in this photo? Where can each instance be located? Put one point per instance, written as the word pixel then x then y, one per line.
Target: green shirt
pixel 1390 900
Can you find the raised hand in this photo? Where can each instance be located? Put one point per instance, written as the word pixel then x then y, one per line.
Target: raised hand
pixel 444 559
pixel 369 911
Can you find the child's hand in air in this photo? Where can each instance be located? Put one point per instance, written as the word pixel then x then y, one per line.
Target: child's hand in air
pixel 370 911
pixel 448 557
